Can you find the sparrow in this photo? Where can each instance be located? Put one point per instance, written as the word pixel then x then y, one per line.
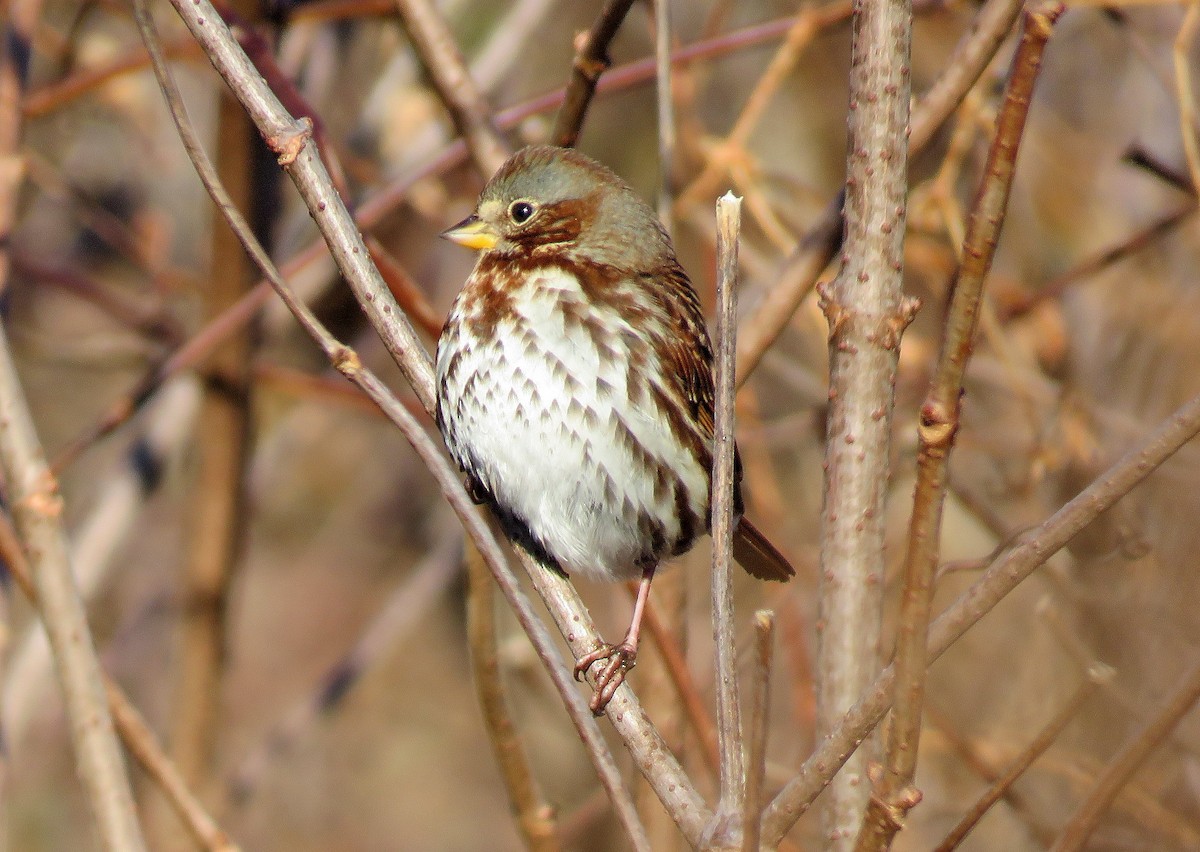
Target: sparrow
pixel 575 384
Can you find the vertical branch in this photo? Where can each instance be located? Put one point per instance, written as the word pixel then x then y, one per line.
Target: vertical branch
pixel 970 59
pixel 1181 54
pixel 729 722
pixel 867 314
pixel 37 509
pixel 37 506
pixel 938 427
pixel 756 751
pixel 666 109
pixel 591 60
pixel 1008 570
pixel 223 437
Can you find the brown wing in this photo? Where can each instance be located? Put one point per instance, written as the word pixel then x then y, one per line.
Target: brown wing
pixel 689 355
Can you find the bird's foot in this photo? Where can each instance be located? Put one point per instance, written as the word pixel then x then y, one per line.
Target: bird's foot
pixel 619 660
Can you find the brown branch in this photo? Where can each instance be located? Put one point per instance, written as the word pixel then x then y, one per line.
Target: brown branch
pixel 591 60
pixel 940 417
pixel 1126 763
pixel 534 817
pixel 685 687
pixel 468 108
pixel 1029 552
pixel 867 313
pixel 37 510
pixel 1045 738
pixel 382 204
pixel 223 436
pixel 397 619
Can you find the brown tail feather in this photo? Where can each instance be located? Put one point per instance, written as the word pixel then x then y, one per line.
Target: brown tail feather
pixel 758 556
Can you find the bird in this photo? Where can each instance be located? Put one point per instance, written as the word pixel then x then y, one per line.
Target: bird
pixel 575 384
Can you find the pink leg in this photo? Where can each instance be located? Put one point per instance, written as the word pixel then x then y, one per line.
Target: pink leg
pixel 621 658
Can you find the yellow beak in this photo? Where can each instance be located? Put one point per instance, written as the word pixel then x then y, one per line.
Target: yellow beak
pixel 474 233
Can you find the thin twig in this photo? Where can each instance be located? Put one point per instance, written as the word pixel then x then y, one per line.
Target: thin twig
pixel 1046 737
pixel 1126 763
pixel 731 799
pixel 665 101
pixel 867 313
pixel 383 203
pixel 756 752
pixel 940 417
pixel 1029 552
pixel 98 540
pixel 591 60
pixel 467 106
pixel 216 512
pixel 395 621
pixel 689 696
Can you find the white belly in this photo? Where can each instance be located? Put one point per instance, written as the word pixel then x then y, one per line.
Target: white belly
pixel 543 420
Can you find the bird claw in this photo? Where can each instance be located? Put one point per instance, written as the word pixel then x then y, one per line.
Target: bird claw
pixel 620 659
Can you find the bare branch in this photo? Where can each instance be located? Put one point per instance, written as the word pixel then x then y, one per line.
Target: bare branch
pixel 756 751
pixel 730 803
pixel 1045 738
pixel 938 427
pixel 1126 763
pixel 818 246
pixel 591 60
pixel 37 509
pixel 467 106
pixel 867 313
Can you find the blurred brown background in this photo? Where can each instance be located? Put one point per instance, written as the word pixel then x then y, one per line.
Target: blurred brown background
pixel 346 549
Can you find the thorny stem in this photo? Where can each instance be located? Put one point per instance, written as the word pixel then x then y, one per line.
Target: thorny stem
pixel 940 413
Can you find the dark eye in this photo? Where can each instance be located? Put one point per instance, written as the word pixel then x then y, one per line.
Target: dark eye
pixel 520 211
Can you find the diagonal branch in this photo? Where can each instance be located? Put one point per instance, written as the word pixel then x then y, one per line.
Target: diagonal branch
pixel 468 108
pixel 591 60
pixel 1029 552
